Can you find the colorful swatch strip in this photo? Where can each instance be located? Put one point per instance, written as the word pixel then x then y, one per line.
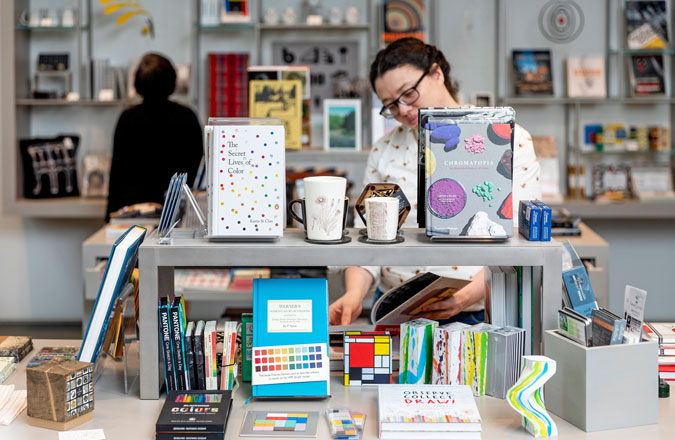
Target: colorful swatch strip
pixel 282 422
pixel 368 358
pixel 199 398
pixel 289 358
pixel 527 396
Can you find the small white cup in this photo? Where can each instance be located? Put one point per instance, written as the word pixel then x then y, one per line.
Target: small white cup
pixel 382 218
pixel 68 17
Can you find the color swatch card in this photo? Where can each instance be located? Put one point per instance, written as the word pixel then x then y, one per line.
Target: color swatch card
pixel 280 424
pixel 246 178
pixel 290 363
pixel 342 425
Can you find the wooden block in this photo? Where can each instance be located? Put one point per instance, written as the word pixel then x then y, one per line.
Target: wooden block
pixel 15 346
pixel 61 426
pixel 60 390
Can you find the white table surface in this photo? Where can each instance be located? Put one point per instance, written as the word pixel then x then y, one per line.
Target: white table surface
pixel 127 417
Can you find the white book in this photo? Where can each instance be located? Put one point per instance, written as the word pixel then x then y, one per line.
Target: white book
pixel 586 77
pixel 511 285
pixel 527 309
pixel 428 411
pixel 497 295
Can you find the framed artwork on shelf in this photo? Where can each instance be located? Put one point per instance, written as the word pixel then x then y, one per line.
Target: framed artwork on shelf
pixel 342 124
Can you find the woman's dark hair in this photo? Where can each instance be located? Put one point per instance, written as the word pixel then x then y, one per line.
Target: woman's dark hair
pixel 155 77
pixel 415 53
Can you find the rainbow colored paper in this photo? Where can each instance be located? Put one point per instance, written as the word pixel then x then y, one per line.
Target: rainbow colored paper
pixel 417 339
pixel 527 396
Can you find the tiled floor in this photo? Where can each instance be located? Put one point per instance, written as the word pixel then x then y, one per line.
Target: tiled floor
pixel 55 330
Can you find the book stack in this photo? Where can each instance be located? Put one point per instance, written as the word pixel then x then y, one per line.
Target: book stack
pixel 202 280
pixel 664 334
pixel 7 367
pixel 12 403
pixel 228 84
pixel 194 415
pixel 428 411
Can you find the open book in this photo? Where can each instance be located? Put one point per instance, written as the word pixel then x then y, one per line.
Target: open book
pixel 405 302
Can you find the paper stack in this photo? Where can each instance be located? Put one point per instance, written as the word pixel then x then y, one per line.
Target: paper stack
pixel 11 403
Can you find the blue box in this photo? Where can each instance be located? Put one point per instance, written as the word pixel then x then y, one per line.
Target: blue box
pixel 545 230
pixel 529 220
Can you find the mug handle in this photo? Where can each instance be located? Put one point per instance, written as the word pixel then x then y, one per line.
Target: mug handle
pixel 292 213
pixel 362 214
pixel 23 18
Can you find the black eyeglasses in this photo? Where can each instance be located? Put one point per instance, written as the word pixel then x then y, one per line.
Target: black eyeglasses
pixel 408 97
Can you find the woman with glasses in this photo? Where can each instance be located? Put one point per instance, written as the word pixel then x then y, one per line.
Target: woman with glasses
pixel 408 75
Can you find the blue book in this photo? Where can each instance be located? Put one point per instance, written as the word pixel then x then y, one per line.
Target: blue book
pixel 578 290
pixel 546 219
pixel 117 274
pixel 291 311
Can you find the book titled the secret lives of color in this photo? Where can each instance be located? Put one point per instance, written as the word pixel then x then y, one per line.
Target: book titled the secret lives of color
pixel 428 411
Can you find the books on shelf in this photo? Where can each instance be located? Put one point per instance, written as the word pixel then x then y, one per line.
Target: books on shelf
pixel 194 414
pixel 532 72
pixel 202 280
pixel 402 303
pixel 586 77
pixel 427 411
pixel 575 326
pixel 663 333
pixel 646 75
pixel 117 274
pixel 646 24
pixel 228 84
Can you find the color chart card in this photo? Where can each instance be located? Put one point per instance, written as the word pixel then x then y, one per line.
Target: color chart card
pixel 280 424
pixel 290 363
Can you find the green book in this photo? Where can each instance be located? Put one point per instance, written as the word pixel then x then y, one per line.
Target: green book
pixel 247 340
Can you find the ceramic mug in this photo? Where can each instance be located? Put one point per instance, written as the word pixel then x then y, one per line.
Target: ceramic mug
pixel 381 218
pixel 68 17
pixel 323 207
pixel 30 17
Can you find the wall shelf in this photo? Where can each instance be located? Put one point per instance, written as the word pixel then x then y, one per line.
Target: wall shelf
pixel 321 28
pixel 636 210
pixel 30 102
pixel 62 207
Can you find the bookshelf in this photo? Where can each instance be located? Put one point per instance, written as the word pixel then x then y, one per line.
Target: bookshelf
pixel 605 37
pixel 157 263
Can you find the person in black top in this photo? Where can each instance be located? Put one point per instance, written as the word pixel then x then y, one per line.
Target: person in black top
pixel 153 140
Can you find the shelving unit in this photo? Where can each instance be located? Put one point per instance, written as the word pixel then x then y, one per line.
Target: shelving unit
pixel 157 263
pixel 618 99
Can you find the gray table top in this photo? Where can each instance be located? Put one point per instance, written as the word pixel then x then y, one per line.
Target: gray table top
pixel 125 416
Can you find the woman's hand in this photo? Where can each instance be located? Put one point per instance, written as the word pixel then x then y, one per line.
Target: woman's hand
pixel 346 309
pixel 447 308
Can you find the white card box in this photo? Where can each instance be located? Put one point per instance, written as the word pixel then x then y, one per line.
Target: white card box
pixel 246 177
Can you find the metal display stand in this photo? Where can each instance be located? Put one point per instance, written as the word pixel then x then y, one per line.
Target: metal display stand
pixel 157 263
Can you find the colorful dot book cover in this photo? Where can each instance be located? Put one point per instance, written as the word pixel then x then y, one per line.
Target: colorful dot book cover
pixel 290 338
pixel 423 411
pixel 246 178
pixel 467 178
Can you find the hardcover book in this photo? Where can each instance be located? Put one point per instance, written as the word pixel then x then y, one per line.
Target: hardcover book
pixel 177 325
pixel 646 24
pixel 368 358
pixel 246 178
pixel 466 172
pixel 647 75
pixel 290 311
pixel 195 412
pixel 228 85
pixel 447 362
pixel 199 355
pixel 428 411
pixel 402 303
pixel 247 342
pixel 166 342
pixel 117 274
pixel 586 77
pixel 532 72
pixel 279 99
pixel 288 72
